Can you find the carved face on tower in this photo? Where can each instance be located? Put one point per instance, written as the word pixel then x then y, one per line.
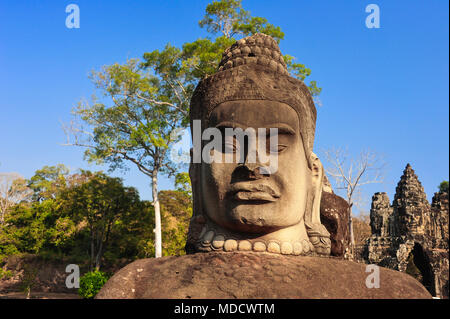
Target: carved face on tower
pixel 267 198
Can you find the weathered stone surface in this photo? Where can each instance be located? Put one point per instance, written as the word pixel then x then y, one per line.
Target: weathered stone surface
pixel 50 275
pixel 254 275
pixel 411 227
pixel 334 216
pixel 273 205
pixel 412 210
pixel 380 214
pixel 326 187
pixel 439 242
pixel 438 228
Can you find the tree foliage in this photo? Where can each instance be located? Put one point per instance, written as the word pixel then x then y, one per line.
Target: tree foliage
pixel 89 211
pixel 91 283
pixel 94 211
pixel 183 184
pixel 443 187
pixel 48 181
pixel 226 21
pixel 137 126
pixel 231 21
pixel 361 229
pixel 99 203
pixel 13 190
pixel 177 211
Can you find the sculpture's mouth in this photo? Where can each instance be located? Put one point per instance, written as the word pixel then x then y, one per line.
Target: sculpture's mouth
pixel 248 191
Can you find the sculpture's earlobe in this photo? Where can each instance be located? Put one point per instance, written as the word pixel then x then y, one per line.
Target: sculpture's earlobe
pixel 317 233
pixel 317 182
pixel 198 219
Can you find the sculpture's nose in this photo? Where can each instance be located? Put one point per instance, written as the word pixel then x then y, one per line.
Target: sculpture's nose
pixel 250 165
pixel 248 172
pixel 252 161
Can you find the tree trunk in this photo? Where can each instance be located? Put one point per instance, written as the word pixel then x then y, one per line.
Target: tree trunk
pixel 91 267
pixel 157 230
pixel 98 257
pixel 350 227
pixel 3 212
pixel 102 247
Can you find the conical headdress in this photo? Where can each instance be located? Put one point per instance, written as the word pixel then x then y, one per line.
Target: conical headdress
pixel 253 68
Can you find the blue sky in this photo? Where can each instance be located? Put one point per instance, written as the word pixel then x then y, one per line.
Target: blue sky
pixel 384 88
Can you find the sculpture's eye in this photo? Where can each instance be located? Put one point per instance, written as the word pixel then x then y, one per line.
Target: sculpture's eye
pixel 281 148
pixel 277 148
pixel 230 145
pixel 276 143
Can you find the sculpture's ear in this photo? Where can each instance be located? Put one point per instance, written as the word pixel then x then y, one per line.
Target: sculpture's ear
pixel 317 181
pixel 198 219
pixel 317 233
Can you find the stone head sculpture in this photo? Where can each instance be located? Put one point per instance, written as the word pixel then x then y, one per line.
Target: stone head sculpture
pixel 246 204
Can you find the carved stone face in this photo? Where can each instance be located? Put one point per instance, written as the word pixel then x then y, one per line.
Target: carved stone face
pixel 241 197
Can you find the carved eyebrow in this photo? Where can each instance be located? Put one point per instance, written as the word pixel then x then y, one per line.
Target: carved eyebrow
pixel 282 127
pixel 225 124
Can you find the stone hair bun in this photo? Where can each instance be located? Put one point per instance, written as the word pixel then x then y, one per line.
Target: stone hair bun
pixel 257 49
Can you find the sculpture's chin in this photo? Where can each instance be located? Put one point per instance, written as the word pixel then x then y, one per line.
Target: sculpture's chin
pixel 258 217
pixel 245 226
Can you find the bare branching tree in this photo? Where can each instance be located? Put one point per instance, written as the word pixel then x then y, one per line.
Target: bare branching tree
pixel 13 190
pixel 350 174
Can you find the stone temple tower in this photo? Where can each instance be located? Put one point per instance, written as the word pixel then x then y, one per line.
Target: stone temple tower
pixel 411 230
pixel 411 207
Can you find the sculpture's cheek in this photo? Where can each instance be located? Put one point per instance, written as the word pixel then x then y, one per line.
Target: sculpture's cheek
pixel 294 178
pixel 216 178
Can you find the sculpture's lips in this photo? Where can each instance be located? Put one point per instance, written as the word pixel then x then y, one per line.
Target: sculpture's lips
pixel 247 191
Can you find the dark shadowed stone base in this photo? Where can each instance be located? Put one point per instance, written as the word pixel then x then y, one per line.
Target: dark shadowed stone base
pixel 334 216
pixel 255 275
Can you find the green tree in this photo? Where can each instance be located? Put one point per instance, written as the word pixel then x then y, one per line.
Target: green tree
pixel 13 190
pixel 443 187
pixel 37 225
pixel 361 229
pixel 176 207
pixel 27 228
pixel 183 184
pixel 224 17
pixel 29 279
pixel 48 181
pixel 136 125
pixel 91 283
pixel 99 203
pixel 60 228
pixel 132 236
pixel 228 21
